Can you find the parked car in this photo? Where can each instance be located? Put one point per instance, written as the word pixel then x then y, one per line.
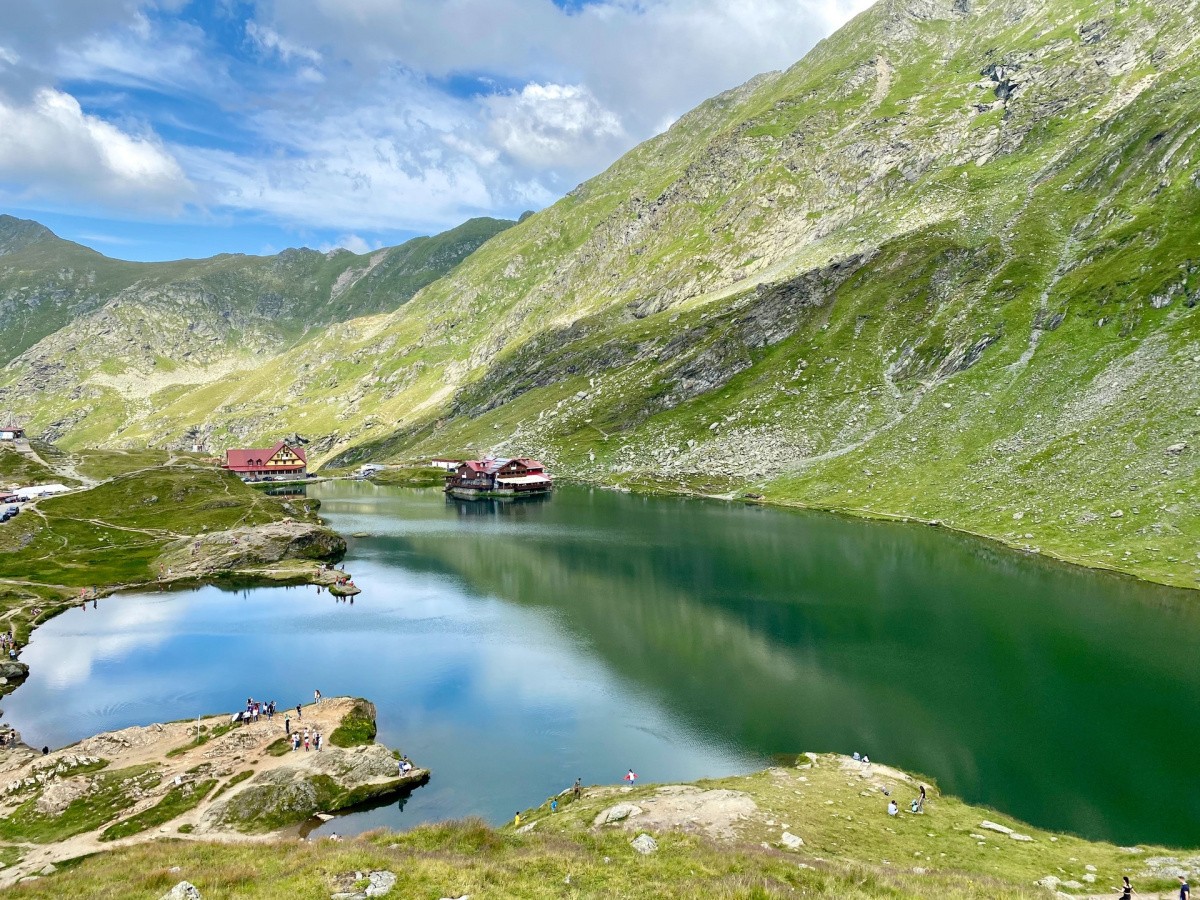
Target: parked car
pixel 9 512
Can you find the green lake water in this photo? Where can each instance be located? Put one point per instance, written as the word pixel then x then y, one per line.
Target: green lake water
pixel 514 647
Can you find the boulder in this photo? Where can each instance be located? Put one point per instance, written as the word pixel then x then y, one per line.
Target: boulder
pixel 644 844
pixel 791 841
pixel 617 813
pixel 1020 837
pixel 13 671
pixel 381 883
pixel 185 890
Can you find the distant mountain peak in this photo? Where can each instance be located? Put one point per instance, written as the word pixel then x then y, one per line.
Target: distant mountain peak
pixel 16 234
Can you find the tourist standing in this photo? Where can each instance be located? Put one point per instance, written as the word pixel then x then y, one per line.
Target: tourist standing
pixel 1127 890
pixel 578 789
pixel 1185 890
pixel 316 696
pixel 299 715
pixel 287 725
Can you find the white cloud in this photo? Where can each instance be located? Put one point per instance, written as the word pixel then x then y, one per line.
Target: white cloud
pixel 361 115
pixel 376 166
pixel 352 242
pixel 271 41
pixel 551 125
pixel 51 149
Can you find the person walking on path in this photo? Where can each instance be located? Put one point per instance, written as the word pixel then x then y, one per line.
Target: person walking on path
pixel 317 739
pixel 1127 890
pixel 553 806
pixel 1185 890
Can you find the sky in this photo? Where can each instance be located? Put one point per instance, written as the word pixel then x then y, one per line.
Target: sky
pixel 162 129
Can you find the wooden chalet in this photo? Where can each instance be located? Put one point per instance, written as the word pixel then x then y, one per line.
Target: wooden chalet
pixel 282 459
pixel 498 478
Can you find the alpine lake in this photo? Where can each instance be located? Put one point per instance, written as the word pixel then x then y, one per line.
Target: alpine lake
pixel 513 647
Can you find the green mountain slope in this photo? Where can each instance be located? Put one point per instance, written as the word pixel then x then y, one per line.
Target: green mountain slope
pixel 946 267
pixel 101 336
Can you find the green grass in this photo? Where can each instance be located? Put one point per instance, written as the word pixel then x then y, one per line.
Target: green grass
pixel 356 728
pixel 852 849
pixel 236 780
pixel 114 534
pixel 410 476
pixel 174 803
pixel 206 734
pixel 20 470
pixel 280 747
pixel 109 797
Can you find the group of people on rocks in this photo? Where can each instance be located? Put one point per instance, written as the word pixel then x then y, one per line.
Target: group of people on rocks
pixel 256 709
pixel 311 739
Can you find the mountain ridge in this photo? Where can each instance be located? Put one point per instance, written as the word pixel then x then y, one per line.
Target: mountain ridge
pixel 937 269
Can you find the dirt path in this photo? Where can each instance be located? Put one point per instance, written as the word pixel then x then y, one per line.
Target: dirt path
pixel 242 749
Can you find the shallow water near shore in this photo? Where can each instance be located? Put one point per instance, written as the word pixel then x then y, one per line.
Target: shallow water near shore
pixel 514 647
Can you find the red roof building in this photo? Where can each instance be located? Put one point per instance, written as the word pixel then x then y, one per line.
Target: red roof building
pixel 282 459
pixel 502 477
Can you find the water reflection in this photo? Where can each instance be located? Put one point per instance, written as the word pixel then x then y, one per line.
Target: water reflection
pixel 515 646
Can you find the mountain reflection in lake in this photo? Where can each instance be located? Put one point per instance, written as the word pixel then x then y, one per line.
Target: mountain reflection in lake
pixel 513 647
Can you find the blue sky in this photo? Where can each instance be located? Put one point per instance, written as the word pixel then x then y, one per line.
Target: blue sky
pixel 159 129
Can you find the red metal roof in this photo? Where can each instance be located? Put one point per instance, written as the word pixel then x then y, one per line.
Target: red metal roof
pixel 528 463
pixel 241 459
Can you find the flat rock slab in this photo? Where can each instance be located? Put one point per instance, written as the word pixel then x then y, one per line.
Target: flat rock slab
pixel 685 808
pixel 618 813
pixel 992 826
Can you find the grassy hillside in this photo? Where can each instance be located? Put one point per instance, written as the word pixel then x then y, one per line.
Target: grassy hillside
pixel 945 268
pixel 731 847
pixel 146 526
pixel 103 335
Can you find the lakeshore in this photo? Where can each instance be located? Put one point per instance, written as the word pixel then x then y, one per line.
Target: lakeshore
pixel 817 825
